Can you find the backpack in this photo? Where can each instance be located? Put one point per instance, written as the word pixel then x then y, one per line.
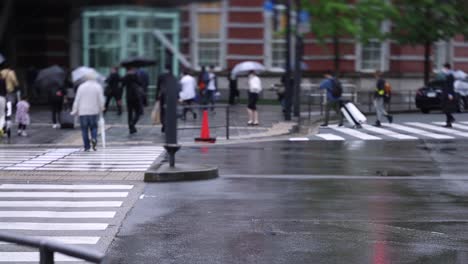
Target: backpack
pixel 337 89
pixel 387 89
pixel 3 87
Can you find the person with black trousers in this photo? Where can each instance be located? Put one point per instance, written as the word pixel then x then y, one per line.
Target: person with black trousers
pixel 233 90
pixel 56 98
pixel 161 94
pixel 134 93
pixel 114 90
pixel 448 96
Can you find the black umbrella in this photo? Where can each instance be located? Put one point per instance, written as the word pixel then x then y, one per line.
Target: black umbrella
pixel 137 62
pixel 51 77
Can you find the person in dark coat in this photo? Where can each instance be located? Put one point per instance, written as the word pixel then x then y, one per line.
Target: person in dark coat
pixel 114 90
pixel 233 89
pixel 448 96
pixel 161 94
pixel 144 80
pixel 56 99
pixel 133 91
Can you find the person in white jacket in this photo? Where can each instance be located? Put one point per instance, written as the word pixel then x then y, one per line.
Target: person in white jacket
pixel 188 93
pixel 255 87
pixel 88 105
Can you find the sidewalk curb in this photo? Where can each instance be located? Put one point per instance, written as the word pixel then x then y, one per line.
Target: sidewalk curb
pixel 181 172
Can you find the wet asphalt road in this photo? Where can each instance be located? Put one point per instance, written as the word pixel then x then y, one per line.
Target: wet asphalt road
pixel 308 202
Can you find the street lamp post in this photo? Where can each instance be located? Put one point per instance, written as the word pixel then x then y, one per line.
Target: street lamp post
pixel 298 62
pixel 287 80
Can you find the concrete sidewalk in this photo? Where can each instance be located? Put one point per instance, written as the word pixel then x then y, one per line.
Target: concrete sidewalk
pixel 41 133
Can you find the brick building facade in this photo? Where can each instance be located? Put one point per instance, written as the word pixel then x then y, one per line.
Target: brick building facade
pixel 101 33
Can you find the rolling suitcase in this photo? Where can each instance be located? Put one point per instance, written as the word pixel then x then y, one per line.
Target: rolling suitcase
pixel 353 115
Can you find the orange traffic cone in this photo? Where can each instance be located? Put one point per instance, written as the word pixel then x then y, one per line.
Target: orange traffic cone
pixel 205 130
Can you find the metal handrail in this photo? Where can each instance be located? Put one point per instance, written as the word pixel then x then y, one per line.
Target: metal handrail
pixel 206 106
pixel 48 247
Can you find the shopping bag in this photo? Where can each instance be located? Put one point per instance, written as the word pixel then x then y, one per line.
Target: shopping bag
pixel 155 114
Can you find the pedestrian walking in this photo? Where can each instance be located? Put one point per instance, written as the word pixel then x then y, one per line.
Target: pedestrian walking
pixel 56 100
pixel 379 100
pixel 333 89
pixel 88 105
pixel 448 95
pixel 134 92
pixel 114 90
pixel 233 89
pixel 11 82
pixel 255 87
pixel 22 115
pixel 203 80
pixel 144 81
pixel 188 93
pixel 212 88
pixel 3 93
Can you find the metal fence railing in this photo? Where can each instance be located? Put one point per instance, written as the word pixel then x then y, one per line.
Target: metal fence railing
pixel 364 100
pixel 218 124
pixel 48 247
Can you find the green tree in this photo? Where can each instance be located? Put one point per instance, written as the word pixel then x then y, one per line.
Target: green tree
pixel 424 22
pixel 332 19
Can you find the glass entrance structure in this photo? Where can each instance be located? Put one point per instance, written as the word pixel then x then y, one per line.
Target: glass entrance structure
pixel 111 34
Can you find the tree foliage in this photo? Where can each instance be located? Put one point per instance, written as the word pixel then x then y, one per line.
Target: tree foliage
pixel 424 22
pixel 338 18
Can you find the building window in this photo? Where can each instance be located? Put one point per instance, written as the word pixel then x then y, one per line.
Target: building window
pixel 441 54
pixel 275 42
pixel 208 33
pixel 371 56
pixel 113 34
pixel 278 53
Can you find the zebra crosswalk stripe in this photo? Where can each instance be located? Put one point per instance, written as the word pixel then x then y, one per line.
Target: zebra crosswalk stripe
pixel 31 257
pixel 455 125
pixel 62 194
pixel 439 129
pixel 330 137
pixel 387 132
pixel 355 133
pixel 74 159
pixel 55 214
pixel 63 187
pixel 76 240
pixel 78 219
pixel 417 131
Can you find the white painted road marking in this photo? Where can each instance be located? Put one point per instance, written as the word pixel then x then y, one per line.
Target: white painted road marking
pixel 299 139
pixel 51 226
pixel 330 137
pixel 63 187
pixel 55 214
pixel 387 132
pixel 439 129
pixel 60 204
pixel 417 131
pixel 455 125
pixel 76 240
pixel 63 194
pixel 355 133
pixel 31 257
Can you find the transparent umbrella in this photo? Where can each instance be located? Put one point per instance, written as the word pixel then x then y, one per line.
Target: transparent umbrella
pixel 245 67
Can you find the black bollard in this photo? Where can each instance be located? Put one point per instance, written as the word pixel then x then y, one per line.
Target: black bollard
pixel 172 90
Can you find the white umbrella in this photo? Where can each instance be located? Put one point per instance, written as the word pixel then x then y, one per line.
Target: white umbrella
pixel 246 67
pixel 459 75
pixel 81 72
